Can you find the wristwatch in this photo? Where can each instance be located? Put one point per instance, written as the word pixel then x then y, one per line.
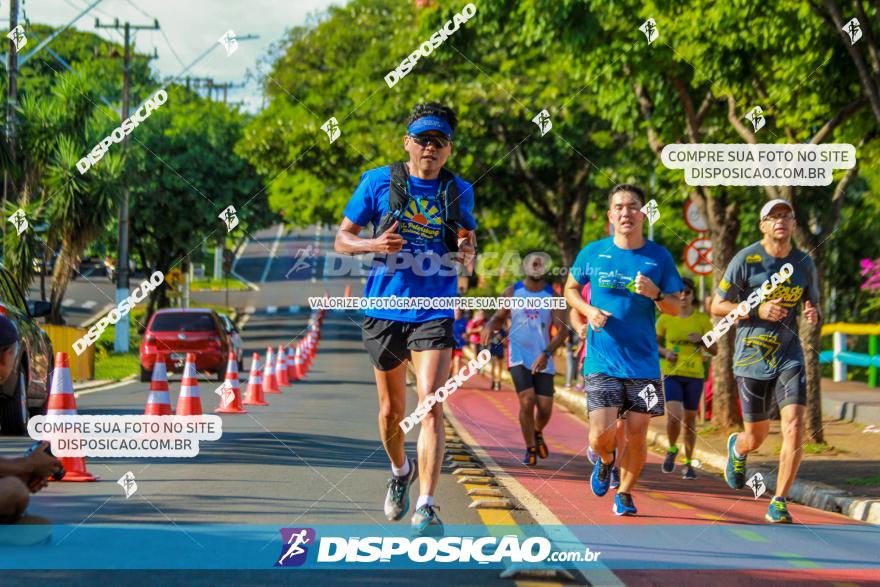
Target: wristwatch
pixel 547 353
pixel 659 297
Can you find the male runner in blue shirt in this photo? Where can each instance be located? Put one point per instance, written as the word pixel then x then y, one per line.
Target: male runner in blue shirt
pixel 630 277
pixel 433 219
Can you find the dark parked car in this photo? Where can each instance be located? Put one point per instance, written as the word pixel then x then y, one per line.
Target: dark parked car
pixel 177 332
pixel 26 391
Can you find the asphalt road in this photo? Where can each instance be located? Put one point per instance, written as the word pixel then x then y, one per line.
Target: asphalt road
pixel 312 459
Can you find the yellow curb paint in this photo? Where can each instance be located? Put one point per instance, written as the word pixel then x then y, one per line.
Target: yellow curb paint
pixel 681 506
pixel 748 535
pixel 799 561
pixel 712 517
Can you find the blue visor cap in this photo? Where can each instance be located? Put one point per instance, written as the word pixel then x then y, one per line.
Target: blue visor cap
pixel 428 123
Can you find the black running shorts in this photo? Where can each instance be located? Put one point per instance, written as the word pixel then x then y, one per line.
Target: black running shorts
pixel 389 342
pixel 627 395
pixel 523 379
pixel 756 395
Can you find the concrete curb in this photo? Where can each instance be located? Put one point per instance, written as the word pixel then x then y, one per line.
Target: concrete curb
pixel 808 493
pixel 851 411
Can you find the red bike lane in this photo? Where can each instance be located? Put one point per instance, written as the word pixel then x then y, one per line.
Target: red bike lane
pixel 694 511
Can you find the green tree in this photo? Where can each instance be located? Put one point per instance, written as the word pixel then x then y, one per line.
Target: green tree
pixel 185 173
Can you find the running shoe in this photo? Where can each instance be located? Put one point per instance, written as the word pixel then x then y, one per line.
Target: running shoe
pixel 397 498
pixel 615 477
pixel 426 522
pixel 601 477
pixel 623 505
pixel 735 472
pixel 531 458
pixel 668 465
pixel 592 455
pixel 541 446
pixel 689 473
pixel 777 512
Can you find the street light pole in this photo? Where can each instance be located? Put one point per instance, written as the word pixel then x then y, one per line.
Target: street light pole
pixel 120 343
pixel 11 103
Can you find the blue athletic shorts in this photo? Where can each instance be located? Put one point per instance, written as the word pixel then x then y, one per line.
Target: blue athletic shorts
pixel 686 390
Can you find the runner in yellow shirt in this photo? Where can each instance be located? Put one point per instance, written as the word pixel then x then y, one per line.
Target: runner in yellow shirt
pixel 681 352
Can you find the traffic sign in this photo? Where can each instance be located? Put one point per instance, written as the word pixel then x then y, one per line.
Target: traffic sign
pixel 693 218
pixel 698 256
pixel 174 277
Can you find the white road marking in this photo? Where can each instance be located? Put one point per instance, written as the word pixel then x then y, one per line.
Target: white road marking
pixel 68 302
pixel 250 310
pixel 272 253
pixel 271 309
pixel 89 304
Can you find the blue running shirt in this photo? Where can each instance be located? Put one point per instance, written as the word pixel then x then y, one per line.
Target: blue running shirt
pixel 421 227
pixel 627 347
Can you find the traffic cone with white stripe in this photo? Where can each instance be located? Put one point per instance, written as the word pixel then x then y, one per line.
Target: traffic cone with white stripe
pixel 189 402
pixel 270 383
pixel 298 366
pixel 63 403
pixel 281 367
pixel 254 395
pixel 230 403
pixel 291 367
pixel 158 402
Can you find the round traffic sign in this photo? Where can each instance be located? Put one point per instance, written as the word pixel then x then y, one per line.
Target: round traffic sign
pixel 698 256
pixel 693 218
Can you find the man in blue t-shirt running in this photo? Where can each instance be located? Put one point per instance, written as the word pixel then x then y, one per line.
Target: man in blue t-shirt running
pixel 415 239
pixel 629 278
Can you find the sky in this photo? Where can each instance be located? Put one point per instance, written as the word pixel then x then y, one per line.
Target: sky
pixel 188 29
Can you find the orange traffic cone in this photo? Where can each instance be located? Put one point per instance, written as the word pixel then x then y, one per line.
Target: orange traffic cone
pixel 291 367
pixel 189 402
pixel 297 363
pixel 270 383
pixel 254 395
pixel 304 351
pixel 63 403
pixel 231 403
pixel 281 368
pixel 158 402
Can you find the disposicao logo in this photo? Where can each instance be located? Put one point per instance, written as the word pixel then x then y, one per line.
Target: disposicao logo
pixel 295 546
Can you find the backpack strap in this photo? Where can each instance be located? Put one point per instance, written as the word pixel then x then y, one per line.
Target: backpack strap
pixel 449 197
pixel 398 197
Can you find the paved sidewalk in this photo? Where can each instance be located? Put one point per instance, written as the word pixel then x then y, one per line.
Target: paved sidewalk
pixel 697 525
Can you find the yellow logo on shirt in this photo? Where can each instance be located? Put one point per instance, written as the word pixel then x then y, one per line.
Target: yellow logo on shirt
pixel 754 258
pixel 724 285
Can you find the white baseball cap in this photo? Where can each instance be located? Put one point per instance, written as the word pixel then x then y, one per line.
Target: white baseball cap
pixel 772 204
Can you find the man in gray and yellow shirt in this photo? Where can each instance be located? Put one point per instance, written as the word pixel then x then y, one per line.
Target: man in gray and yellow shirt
pixel 769 360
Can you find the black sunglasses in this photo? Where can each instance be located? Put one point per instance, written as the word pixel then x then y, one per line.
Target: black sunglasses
pixel 425 140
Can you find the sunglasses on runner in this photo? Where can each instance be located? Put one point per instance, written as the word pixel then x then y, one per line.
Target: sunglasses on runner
pixel 425 140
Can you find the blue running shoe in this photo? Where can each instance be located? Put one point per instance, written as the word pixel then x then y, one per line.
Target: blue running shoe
pixel 777 512
pixel 615 477
pixel 735 472
pixel 592 455
pixel 601 477
pixel 689 473
pixel 531 458
pixel 426 522
pixel 668 465
pixel 623 505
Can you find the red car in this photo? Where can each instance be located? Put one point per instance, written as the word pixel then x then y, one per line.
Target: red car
pixel 177 332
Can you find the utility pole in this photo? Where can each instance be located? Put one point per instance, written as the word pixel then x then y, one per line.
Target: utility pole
pixel 11 104
pixel 121 341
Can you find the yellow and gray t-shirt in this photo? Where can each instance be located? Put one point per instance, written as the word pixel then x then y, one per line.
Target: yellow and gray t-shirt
pixel 763 348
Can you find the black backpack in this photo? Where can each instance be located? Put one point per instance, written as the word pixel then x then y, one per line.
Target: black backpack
pixel 398 198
